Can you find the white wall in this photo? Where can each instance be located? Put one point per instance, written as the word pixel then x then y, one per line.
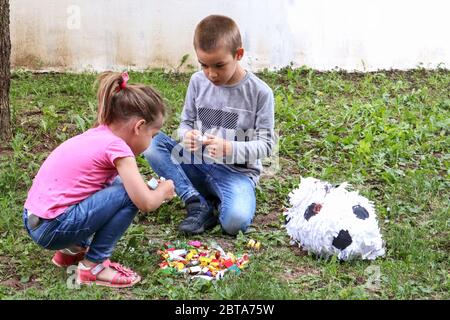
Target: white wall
pixel 323 34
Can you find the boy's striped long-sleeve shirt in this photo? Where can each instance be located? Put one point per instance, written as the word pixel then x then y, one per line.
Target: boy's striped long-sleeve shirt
pixel 242 113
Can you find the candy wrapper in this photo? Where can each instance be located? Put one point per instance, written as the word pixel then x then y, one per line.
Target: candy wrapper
pixel 196 259
pixel 153 183
pixel 328 220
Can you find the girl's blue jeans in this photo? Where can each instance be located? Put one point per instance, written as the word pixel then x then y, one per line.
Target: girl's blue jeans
pixel 98 222
pixel 234 190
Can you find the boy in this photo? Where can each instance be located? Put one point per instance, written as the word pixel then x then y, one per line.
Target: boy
pixel 227 126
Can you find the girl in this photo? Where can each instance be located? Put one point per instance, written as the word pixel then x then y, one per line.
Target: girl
pixel 74 205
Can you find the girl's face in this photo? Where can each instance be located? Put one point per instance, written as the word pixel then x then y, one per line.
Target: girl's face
pixel 143 134
pixel 220 66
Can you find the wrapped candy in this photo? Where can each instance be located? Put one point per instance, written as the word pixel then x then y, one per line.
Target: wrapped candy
pixel 197 260
pixel 153 183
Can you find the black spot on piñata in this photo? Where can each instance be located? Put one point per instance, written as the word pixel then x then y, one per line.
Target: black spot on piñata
pixel 343 240
pixel 312 209
pixel 360 212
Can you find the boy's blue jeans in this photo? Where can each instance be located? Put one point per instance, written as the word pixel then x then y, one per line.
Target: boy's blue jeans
pixel 235 190
pixel 105 215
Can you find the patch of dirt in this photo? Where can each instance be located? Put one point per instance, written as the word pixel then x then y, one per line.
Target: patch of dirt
pixel 16 284
pixel 6 150
pixel 295 272
pixel 9 273
pixel 299 251
pixel 226 246
pixel 267 220
pixel 46 147
pixel 7 268
pixel 360 280
pixel 30 113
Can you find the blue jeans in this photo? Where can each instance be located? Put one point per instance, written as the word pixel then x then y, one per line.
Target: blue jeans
pixel 104 217
pixel 234 190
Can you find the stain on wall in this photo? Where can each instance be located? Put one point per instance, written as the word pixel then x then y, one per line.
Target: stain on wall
pixel 78 35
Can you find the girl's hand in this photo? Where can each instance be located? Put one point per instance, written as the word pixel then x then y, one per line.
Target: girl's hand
pixel 167 189
pixel 217 147
pixel 190 140
pixel 137 189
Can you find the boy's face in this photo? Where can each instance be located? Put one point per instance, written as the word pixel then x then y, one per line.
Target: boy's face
pixel 220 66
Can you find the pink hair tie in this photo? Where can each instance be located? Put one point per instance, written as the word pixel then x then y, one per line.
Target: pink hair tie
pixel 125 78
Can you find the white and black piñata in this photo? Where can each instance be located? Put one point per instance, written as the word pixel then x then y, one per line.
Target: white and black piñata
pixel 329 220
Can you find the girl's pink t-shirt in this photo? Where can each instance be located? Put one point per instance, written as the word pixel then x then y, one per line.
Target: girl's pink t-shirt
pixel 76 169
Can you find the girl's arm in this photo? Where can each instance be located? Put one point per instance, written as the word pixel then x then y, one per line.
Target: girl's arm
pixel 138 191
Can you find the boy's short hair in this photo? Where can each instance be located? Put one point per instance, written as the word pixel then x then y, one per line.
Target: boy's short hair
pixel 216 30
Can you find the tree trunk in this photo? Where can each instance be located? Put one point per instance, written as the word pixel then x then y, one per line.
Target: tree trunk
pixel 5 76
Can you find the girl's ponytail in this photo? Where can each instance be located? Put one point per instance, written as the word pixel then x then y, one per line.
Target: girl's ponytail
pixel 119 101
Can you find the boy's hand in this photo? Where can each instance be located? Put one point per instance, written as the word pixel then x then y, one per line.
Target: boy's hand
pixel 217 147
pixel 190 140
pixel 167 188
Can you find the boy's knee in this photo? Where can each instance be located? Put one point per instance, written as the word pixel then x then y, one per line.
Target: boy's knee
pixel 151 151
pixel 160 143
pixel 233 222
pixel 150 154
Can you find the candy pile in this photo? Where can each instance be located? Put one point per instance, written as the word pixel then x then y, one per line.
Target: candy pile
pixel 199 260
pixel 256 245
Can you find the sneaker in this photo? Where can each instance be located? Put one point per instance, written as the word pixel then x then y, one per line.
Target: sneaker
pixel 200 217
pixel 61 259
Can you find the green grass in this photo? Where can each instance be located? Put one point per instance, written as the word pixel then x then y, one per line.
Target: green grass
pixel 384 132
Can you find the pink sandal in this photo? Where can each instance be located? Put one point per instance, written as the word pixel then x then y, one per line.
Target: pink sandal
pixel 123 278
